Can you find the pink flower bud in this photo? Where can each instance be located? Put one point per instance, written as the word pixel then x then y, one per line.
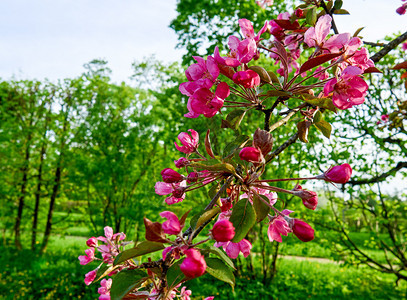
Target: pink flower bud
pixel 189 142
pixel 250 154
pixel 92 242
pixel 309 198
pixel 401 10
pixel 299 13
pixel 89 277
pixel 192 177
pixel 194 264
pixel 181 162
pixel 171 176
pixel 223 231
pixel 248 79
pixel 303 231
pixel 339 174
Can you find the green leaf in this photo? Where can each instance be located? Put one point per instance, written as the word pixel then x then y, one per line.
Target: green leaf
pixel 324 127
pixel 235 117
pixel 341 12
pixel 260 207
pixel 222 255
pixel 273 77
pixel 311 17
pixel 207 216
pixel 144 247
pixel 264 76
pixel 358 31
pixel 174 274
pixel 213 190
pixel 275 93
pixel 338 4
pixel 320 102
pixel 239 141
pixel 219 270
pixel 243 219
pixel 317 116
pixel 125 281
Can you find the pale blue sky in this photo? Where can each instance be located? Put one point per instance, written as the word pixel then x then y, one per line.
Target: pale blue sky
pixel 54 38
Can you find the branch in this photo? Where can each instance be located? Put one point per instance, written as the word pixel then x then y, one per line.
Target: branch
pixel 280 149
pixel 388 47
pixel 381 177
pixel 323 5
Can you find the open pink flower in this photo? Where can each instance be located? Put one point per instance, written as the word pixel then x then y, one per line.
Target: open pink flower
pixel 349 90
pixel 241 52
pixel 189 142
pixel 89 277
pixel 104 290
pixel 247 29
pixel 279 226
pixel 233 249
pixel 194 264
pixel 184 293
pixel 172 225
pixel 89 257
pixel 203 73
pixel 248 79
pixel 176 189
pixel 204 102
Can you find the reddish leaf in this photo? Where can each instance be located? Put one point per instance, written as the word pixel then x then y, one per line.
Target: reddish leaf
pixel 399 66
pixel 286 24
pixel 208 146
pixel 303 127
pixel 154 231
pixel 318 60
pixel 184 217
pixel 372 70
pixel 227 71
pixel 404 75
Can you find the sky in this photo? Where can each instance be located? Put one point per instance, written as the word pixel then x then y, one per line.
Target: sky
pixel 54 38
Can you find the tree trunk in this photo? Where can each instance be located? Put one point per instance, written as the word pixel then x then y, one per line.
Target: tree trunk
pixel 17 235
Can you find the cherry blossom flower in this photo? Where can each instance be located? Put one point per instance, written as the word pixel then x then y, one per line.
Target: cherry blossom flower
pixel 176 189
pixel 194 264
pixel 247 29
pixel 204 102
pixel 184 293
pixel 92 242
pixel 189 141
pixel 241 52
pixel 349 90
pixel 264 3
pixel 279 226
pixel 89 277
pixel 203 73
pixel 233 249
pixel 172 225
pixel 89 257
pixel 309 198
pixel 104 289
pixel 248 79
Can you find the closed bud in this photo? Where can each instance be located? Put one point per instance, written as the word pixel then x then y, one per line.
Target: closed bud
pixel 192 177
pixel 309 198
pixel 181 162
pixel 194 264
pixel 338 174
pixel 299 13
pixel 251 154
pixel 171 176
pixel 248 79
pixel 223 231
pixel 92 242
pixel 303 231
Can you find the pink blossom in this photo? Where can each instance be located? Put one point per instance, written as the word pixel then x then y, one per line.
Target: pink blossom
pixel 194 264
pixel 92 242
pixel 233 249
pixel 247 29
pixel 385 118
pixel 184 294
pixel 315 36
pixel 278 225
pixel 108 232
pixel 309 198
pixel 272 196
pixel 189 142
pixel 275 29
pixel 223 231
pixel 104 289
pixel 181 162
pixel 264 3
pixel 210 298
pixel 176 189
pixel 251 154
pixel 360 59
pixel 321 75
pixel 349 90
pixel 171 176
pixel 248 79
pixel 303 231
pixel 203 73
pixel 172 225
pixel 338 174
pixel 89 257
pixel 241 52
pixel 402 9
pixel 204 102
pixel 89 277
pixel 404 46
